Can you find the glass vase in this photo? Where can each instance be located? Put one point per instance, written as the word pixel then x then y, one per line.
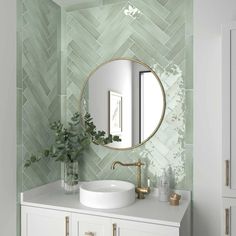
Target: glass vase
pixel 71 177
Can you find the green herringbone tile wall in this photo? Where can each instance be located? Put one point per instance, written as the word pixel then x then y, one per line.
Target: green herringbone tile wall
pixel 37 87
pixel 159 33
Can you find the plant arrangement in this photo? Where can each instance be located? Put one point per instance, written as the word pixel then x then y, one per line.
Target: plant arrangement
pixel 73 140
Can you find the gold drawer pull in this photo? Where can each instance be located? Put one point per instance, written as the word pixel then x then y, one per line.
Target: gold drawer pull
pixel 114 227
pixel 67 226
pixel 89 234
pixel 226 221
pixel 227 173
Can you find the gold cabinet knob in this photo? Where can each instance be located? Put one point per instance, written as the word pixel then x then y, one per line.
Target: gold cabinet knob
pixel 89 234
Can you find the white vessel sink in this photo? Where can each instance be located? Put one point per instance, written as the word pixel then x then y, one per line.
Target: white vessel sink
pixel 107 194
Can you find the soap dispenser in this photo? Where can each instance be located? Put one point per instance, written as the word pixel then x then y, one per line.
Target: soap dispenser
pixel 164 187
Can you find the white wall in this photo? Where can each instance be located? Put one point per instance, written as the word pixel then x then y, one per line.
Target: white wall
pixel 8 117
pixel 208 17
pixel 136 68
pixel 111 77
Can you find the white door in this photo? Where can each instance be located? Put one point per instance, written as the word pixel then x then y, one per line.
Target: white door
pixel 131 228
pixel 44 222
pixel 229 217
pixel 87 225
pixel 229 109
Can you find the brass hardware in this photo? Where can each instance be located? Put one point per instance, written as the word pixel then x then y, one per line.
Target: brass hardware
pixel 227 221
pixel 227 173
pixel 89 234
pixel 114 227
pixel 67 225
pixel 142 190
pixel 139 163
pixel 139 189
pixel 174 199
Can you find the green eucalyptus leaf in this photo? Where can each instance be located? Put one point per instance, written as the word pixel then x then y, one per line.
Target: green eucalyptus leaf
pixel 116 138
pixel 33 158
pixel 46 153
pixel 70 142
pixel 27 164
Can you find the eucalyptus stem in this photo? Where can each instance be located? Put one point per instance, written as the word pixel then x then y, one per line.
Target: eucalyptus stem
pixel 70 142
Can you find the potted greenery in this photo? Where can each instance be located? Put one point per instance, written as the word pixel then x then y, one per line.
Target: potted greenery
pixel 70 144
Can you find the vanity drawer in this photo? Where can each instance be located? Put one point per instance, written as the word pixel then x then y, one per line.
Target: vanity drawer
pixel 88 225
pixel 129 228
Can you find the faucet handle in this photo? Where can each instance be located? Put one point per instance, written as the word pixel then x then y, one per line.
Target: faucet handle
pixel 139 163
pixel 141 191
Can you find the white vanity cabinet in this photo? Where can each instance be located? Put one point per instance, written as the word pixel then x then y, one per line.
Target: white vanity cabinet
pixel 48 211
pixel 229 129
pixel 44 222
pixel 37 222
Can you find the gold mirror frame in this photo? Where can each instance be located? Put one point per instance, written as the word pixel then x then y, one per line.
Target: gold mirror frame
pixel 162 89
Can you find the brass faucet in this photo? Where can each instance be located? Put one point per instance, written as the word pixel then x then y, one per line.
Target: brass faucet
pixel 139 189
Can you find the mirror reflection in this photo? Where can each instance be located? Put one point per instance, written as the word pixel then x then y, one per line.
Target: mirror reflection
pixel 125 98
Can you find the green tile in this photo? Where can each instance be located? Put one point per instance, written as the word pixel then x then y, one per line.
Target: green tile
pixel 176 49
pixel 189 18
pixel 108 15
pixel 38 102
pixel 189 117
pixel 152 28
pixel 19 60
pixel 179 57
pixel 63 108
pixel 62 74
pixel 189 166
pixel 154 11
pixel 179 35
pixel 84 5
pixel 91 28
pixel 174 5
pixel 19 171
pixel 189 63
pixel 106 2
pixel 153 51
pixel 19 116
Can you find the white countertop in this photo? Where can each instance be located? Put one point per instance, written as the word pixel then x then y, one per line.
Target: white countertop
pixel 149 210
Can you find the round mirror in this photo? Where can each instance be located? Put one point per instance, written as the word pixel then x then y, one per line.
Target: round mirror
pixel 125 98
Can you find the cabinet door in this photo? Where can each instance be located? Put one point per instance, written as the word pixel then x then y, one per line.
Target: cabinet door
pixel 229 109
pixel 44 222
pixel 229 217
pixel 87 225
pixel 130 228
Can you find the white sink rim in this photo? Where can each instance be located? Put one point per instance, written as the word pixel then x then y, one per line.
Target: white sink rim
pixel 107 194
pixel 90 186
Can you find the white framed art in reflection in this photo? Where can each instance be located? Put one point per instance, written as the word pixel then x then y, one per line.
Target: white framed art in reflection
pixel 115 113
